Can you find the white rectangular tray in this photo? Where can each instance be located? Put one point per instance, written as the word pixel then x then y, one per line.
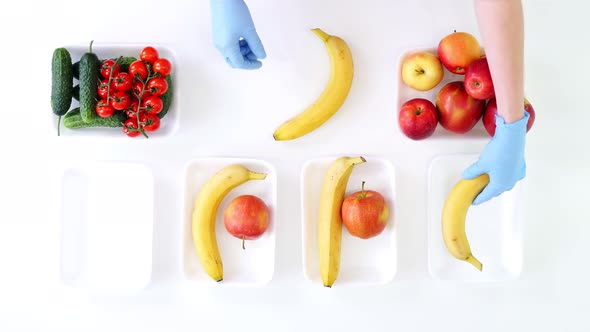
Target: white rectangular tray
pixel 405 93
pixel 107 222
pixel 494 228
pixel 251 267
pixel 363 262
pixel 169 124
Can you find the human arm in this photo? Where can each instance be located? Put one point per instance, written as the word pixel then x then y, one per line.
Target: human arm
pixel 502 29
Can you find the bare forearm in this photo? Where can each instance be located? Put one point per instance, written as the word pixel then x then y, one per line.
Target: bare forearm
pixel 502 30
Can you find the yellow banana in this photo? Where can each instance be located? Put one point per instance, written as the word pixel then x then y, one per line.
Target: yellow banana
pixel 205 213
pixel 330 219
pixel 454 213
pixel 333 95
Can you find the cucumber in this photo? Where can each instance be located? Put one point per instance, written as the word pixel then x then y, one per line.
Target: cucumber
pixel 61 81
pixel 76 69
pixel 124 62
pixel 76 92
pixel 166 98
pixel 89 68
pixel 73 120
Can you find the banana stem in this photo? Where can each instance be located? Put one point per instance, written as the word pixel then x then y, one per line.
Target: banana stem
pixel 473 261
pixel 320 33
pixel 257 176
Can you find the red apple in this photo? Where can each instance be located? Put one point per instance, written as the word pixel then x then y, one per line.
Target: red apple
pixel 458 50
pixel 478 80
pixel 246 218
pixel 364 213
pixel 418 118
pixel 489 116
pixel 458 112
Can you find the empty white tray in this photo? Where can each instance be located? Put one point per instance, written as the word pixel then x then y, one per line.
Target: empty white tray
pixel 107 222
pixel 494 228
pixel 363 262
pixel 251 267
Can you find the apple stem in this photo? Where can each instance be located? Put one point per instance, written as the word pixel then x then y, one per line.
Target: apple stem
pixel 243 243
pixel 363 193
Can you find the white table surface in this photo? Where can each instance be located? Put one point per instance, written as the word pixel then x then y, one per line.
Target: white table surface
pixel 227 112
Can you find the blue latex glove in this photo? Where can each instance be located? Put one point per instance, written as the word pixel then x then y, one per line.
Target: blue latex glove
pixel 502 159
pixel 234 34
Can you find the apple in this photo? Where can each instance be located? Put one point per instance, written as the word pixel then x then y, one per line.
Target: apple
pixel 478 80
pixel 422 71
pixel 246 217
pixel 458 112
pixel 489 116
pixel 458 50
pixel 418 118
pixel 364 213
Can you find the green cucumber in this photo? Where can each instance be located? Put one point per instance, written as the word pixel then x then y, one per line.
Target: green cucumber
pixel 166 98
pixel 73 120
pixel 124 62
pixel 89 68
pixel 61 83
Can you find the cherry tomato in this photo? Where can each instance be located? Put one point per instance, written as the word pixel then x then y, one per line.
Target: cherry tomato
pixel 130 128
pixel 103 88
pixel 149 54
pixel 120 100
pixel 157 86
pixel 138 67
pixel 131 110
pixel 123 81
pixel 103 109
pixel 105 68
pixel 162 66
pixel 152 104
pixel 137 87
pixel 149 122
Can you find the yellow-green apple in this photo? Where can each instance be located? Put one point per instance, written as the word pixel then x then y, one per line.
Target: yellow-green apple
pixel 489 116
pixel 422 71
pixel 418 118
pixel 458 112
pixel 246 217
pixel 458 50
pixel 478 80
pixel 365 213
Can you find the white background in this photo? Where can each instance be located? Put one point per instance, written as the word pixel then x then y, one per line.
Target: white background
pixel 226 112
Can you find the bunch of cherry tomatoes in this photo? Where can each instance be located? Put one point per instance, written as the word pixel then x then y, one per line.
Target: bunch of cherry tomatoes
pixel 136 92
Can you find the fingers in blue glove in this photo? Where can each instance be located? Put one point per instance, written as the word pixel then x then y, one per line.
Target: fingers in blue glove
pixel 489 192
pixel 472 171
pixel 235 58
pixel 255 44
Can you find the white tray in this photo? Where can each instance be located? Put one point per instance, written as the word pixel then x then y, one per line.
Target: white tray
pixel 168 125
pixel 107 222
pixel 251 267
pixel 363 262
pixel 494 228
pixel 405 93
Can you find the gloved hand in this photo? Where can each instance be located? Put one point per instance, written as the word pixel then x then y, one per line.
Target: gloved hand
pixel 234 34
pixel 502 159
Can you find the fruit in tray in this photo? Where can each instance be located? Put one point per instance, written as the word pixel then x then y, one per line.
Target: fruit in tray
pixel 491 109
pixel 454 214
pixel 246 218
pixel 458 50
pixel 422 71
pixel 333 96
pixel 458 112
pixel 330 219
pixel 418 118
pixel 124 92
pixel 478 80
pixel 205 213
pixel 365 213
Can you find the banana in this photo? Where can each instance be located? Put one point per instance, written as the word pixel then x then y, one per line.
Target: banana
pixel 205 213
pixel 454 213
pixel 333 95
pixel 330 219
